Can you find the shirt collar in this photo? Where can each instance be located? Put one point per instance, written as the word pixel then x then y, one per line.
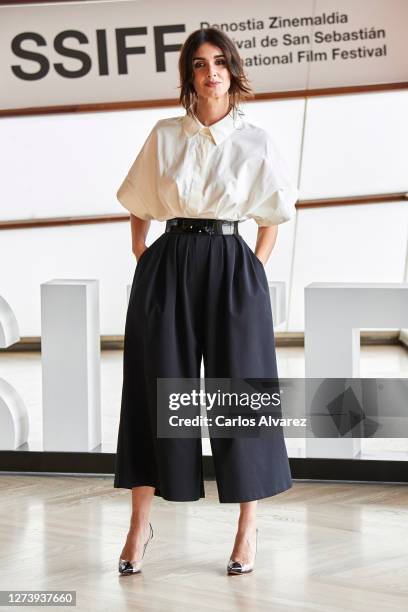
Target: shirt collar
pixel 219 130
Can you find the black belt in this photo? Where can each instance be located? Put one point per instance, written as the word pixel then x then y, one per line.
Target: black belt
pixel 186 225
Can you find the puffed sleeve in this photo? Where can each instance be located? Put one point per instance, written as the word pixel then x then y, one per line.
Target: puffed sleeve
pixel 138 192
pixel 276 192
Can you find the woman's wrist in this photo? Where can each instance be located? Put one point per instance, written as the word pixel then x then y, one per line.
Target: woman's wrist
pixel 263 258
pixel 138 249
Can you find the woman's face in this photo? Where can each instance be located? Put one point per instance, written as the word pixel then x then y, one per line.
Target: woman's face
pixel 211 75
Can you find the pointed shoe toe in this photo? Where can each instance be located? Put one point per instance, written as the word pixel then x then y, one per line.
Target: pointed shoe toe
pixel 128 567
pixel 235 567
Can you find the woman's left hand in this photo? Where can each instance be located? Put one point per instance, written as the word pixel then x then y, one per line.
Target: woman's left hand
pixel 261 259
pixel 265 242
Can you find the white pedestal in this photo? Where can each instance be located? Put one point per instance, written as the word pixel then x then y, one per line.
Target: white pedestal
pixel 334 315
pixel 278 301
pixel 70 356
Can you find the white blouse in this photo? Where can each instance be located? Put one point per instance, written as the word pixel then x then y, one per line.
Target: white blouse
pixel 228 170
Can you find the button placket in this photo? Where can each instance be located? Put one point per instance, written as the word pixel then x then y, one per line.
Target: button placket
pixel 201 152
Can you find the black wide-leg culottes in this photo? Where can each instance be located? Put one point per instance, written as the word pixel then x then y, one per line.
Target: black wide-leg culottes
pixel 197 296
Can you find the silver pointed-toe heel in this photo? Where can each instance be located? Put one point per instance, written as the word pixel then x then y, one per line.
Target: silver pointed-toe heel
pixel 236 568
pixel 134 567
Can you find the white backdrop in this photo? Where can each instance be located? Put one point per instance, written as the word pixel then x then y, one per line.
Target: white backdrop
pixel 72 165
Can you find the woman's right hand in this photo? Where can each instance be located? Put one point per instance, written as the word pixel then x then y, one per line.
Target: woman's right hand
pixel 138 252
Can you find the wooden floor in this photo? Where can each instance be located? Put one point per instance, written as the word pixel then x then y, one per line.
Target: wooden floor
pixel 329 547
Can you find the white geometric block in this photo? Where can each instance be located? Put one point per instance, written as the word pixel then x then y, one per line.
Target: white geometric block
pixel 9 332
pixel 277 290
pixel 70 356
pixel 14 422
pixel 334 315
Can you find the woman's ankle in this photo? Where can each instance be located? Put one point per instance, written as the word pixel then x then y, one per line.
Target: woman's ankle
pixel 139 524
pixel 247 527
pixel 247 523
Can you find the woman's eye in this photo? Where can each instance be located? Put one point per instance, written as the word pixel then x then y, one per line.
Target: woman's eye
pixel 200 64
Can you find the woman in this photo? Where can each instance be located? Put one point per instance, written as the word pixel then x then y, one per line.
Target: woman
pixel 200 291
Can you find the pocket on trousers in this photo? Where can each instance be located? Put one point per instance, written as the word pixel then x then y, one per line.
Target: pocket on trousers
pixel 258 265
pixel 256 258
pixel 142 256
pixel 149 249
pixel 252 254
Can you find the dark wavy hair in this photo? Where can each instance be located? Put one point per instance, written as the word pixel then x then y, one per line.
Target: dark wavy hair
pixel 239 90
